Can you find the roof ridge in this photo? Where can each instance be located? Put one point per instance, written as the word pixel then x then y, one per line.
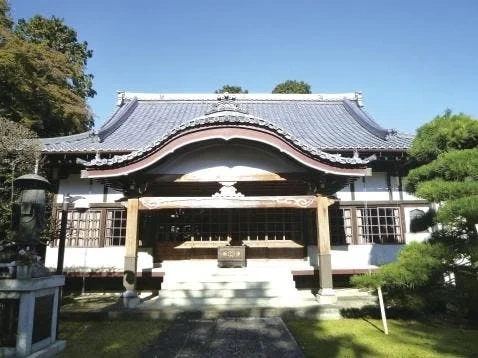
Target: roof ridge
pixel 367 122
pixel 326 97
pixel 68 138
pixel 113 123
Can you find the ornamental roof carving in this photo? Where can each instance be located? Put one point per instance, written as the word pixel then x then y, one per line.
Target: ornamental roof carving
pixel 225 102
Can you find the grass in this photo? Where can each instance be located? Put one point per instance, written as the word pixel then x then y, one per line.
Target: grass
pixel 365 338
pixel 119 338
pixel 359 338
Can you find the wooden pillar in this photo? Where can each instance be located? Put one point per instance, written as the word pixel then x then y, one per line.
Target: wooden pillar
pixel 326 293
pixel 131 245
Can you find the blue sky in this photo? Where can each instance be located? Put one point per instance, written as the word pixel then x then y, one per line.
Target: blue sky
pixel 411 59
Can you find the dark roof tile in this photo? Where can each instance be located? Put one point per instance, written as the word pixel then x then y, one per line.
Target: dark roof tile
pixel 315 124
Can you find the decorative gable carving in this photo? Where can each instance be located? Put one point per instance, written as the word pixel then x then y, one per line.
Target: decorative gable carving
pixel 228 190
pixel 225 102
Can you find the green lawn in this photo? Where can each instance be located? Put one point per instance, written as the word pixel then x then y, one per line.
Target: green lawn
pixel 362 338
pixel 358 338
pixel 108 338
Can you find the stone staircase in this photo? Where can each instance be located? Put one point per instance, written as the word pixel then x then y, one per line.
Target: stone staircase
pixel 260 289
pixel 207 285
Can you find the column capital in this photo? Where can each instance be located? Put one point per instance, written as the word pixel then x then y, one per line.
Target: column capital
pixel 325 200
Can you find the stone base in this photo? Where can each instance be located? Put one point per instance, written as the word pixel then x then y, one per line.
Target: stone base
pixel 326 296
pixel 50 351
pixel 130 299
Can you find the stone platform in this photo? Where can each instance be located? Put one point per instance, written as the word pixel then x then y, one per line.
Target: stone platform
pixel 199 289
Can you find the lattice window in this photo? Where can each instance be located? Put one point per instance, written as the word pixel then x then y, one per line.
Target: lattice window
pixel 82 229
pixel 269 224
pixel 225 224
pixel 115 227
pixel 340 226
pixel 380 225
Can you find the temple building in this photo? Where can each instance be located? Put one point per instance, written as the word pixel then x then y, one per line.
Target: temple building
pixel 308 180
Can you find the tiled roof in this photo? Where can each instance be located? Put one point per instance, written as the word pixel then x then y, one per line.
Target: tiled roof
pixel 315 123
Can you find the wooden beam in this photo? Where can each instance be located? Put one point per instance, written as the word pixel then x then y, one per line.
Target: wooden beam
pixel 213 177
pixel 299 202
pixel 323 230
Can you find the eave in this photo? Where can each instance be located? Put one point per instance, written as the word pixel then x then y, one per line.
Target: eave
pixel 140 160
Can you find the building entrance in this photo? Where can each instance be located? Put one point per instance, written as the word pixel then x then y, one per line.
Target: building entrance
pixel 196 233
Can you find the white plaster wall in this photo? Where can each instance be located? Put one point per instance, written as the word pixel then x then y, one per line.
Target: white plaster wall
pixel 93 258
pixel 375 188
pixel 91 190
pixel 372 188
pixel 395 184
pixel 227 160
pixel 415 236
pixel 344 194
pixel 358 256
pixel 407 196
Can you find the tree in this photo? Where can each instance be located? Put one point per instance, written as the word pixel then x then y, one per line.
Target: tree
pixel 445 152
pixel 19 149
pixel 56 35
pixel 231 89
pixel 5 20
pixel 290 86
pixel 444 157
pixel 40 87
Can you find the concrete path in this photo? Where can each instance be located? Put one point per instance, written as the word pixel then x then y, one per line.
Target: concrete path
pixel 225 337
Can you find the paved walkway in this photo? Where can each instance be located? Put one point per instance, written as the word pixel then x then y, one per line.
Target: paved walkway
pixel 225 337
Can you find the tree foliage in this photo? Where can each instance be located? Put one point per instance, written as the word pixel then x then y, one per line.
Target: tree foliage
pixel 59 37
pixel 5 21
pixel 445 152
pixel 41 87
pixel 445 158
pixel 19 148
pixel 231 89
pixel 426 279
pixel 414 267
pixel 443 134
pixel 292 86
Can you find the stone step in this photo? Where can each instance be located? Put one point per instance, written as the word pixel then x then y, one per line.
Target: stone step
pixel 217 285
pixel 224 282
pixel 231 310
pixel 209 287
pixel 228 293
pixel 244 276
pixel 235 302
pixel 213 278
pixel 357 302
pixel 352 292
pixel 354 298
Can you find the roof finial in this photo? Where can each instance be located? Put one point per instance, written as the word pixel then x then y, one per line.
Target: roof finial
pixel 120 98
pixel 359 98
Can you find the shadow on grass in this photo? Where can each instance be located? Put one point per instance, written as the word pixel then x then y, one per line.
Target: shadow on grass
pixel 443 335
pixel 447 340
pixel 380 329
pixel 123 338
pixel 316 341
pixel 373 311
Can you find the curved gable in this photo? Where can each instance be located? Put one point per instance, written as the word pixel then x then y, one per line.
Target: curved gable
pixel 226 126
